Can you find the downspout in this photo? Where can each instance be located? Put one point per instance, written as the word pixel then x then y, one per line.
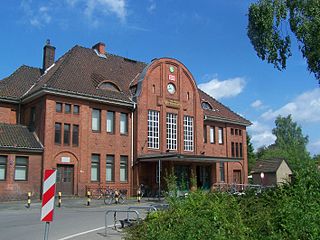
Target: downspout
pixel 19 114
pixel 132 175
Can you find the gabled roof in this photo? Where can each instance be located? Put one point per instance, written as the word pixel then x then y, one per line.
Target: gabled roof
pixel 18 138
pixel 81 70
pixel 220 112
pixel 267 166
pixel 19 82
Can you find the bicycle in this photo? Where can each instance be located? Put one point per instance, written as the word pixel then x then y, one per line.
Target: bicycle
pixel 116 196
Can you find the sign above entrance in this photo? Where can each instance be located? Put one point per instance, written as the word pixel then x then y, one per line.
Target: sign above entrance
pixel 65 159
pixel 172 103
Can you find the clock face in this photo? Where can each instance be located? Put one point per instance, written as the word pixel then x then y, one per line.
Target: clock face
pixel 171 88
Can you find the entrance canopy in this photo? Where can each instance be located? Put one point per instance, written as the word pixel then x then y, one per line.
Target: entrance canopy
pixel 184 158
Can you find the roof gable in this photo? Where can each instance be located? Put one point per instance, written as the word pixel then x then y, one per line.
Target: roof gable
pixel 267 165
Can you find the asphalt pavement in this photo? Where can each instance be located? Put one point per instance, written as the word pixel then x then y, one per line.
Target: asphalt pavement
pixel 73 220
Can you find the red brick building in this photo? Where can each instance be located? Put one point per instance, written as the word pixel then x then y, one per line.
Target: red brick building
pixel 107 120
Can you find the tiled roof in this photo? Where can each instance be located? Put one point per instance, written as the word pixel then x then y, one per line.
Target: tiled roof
pixel 219 111
pixel 19 82
pixel 81 70
pixel 18 137
pixel 269 165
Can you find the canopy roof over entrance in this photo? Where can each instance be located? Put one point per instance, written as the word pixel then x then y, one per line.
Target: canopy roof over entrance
pixel 184 157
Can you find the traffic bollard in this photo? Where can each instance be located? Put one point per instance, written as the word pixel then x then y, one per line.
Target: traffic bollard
pixel 88 198
pixel 116 196
pixel 139 195
pixel 59 199
pixel 29 200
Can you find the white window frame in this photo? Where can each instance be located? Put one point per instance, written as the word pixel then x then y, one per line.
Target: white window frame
pixel 110 121
pixel 172 134
pixel 153 129
pixel 123 168
pixel 3 167
pixel 123 123
pixel 220 135
pixel 96 119
pixel 188 133
pixel 212 134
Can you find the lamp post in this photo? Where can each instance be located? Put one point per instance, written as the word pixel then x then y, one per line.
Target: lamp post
pixel 262 177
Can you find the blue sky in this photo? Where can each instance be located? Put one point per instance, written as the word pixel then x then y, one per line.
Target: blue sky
pixel 208 36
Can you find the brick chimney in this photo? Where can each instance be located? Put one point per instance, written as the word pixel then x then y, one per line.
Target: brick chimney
pixel 100 47
pixel 48 55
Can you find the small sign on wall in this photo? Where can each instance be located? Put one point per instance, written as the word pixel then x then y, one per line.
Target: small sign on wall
pixel 172 77
pixel 65 159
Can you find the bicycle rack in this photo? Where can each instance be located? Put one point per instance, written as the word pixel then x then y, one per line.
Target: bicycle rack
pixel 160 206
pixel 115 211
pixel 148 208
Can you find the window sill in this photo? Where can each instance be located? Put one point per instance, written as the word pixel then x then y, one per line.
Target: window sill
pixel 96 131
pixel 124 134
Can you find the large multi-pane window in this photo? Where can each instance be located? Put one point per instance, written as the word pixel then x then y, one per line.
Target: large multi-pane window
pixel 66 134
pixel 188 133
pixel 172 131
pixel 153 129
pixel 212 135
pixel 110 168
pixel 220 135
pixel 110 122
pixel 57 133
pixel 95 167
pixel 21 168
pixel 96 119
pixel 123 168
pixel 3 167
pixel 222 176
pixel 75 135
pixel 123 123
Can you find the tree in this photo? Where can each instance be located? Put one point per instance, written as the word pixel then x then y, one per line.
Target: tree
pixel 251 155
pixel 290 143
pixel 273 23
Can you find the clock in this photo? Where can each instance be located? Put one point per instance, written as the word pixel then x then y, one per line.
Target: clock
pixel 171 88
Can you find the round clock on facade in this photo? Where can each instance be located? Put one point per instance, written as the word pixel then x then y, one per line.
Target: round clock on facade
pixel 171 88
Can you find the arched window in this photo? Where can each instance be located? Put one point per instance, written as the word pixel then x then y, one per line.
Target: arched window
pixel 206 106
pixel 108 86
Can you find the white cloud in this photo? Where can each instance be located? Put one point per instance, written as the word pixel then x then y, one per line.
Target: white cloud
pixel 152 6
pixel 261 134
pixel 256 104
pixel 305 107
pixel 105 7
pixel 36 16
pixel 223 88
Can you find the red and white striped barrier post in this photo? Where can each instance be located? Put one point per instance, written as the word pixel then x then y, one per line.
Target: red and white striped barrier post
pixel 49 188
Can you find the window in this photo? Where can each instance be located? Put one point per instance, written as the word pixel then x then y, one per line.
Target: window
pixel 153 129
pixel 57 133
pixel 212 135
pixel 67 108
pixel 110 122
pixel 96 119
pixel 205 133
pixel 3 167
pixel 206 106
pixel 32 117
pixel 236 132
pixel 232 131
pixel 76 109
pixel 237 150
pixel 110 168
pixel 123 168
pixel 240 150
pixel 109 86
pixel 220 131
pixel 66 134
pixel 171 131
pixel 222 177
pixel 232 149
pixel 240 132
pixel 123 123
pixel 21 169
pixel 95 167
pixel 188 133
pixel 75 135
pixel 58 107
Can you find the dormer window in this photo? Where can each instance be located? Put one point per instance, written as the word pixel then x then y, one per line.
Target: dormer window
pixel 109 86
pixel 206 106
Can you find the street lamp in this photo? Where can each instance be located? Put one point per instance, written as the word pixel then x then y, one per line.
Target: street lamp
pixel 262 177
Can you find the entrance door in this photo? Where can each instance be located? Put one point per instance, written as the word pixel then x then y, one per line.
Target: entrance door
pixel 237 176
pixel 203 177
pixel 65 179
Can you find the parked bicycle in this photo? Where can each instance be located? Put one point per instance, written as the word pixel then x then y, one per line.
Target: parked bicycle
pixel 116 196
